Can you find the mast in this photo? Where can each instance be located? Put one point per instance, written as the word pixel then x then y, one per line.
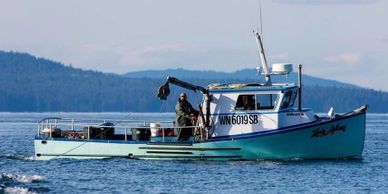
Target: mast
pixel 263 60
pixel 300 87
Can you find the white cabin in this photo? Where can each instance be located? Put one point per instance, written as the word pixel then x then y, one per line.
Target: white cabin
pixel 248 108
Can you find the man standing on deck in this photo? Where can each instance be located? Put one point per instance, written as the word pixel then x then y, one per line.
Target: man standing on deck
pixel 185 116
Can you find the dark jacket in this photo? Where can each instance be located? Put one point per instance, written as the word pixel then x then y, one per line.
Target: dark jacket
pixel 183 112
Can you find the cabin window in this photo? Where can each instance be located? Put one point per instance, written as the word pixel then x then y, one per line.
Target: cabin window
pixel 256 102
pixel 293 97
pixel 288 99
pixel 265 101
pixel 245 102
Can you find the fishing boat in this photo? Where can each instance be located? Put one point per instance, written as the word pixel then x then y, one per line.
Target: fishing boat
pixel 243 121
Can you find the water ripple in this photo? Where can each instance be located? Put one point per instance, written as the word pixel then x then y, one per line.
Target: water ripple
pixel 19 173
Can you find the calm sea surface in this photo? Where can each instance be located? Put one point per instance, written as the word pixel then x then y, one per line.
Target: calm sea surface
pixel 19 173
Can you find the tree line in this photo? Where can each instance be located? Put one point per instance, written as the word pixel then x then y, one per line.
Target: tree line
pixel 35 84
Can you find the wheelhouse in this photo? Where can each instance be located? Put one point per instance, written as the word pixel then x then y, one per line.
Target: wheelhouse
pixel 246 108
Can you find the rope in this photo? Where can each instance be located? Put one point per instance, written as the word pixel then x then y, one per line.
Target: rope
pixel 196 96
pixel 83 142
pixel 161 107
pixel 72 149
pixel 125 118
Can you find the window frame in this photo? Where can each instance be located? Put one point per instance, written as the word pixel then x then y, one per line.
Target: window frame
pixel 290 99
pixel 274 101
pixel 241 107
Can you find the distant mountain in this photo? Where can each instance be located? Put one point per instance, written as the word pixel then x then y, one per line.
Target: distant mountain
pixel 28 83
pixel 245 74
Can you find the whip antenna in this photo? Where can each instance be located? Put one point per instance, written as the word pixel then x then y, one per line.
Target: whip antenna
pixel 261 20
pixel 259 44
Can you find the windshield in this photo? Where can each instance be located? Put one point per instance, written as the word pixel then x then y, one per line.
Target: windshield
pixel 289 99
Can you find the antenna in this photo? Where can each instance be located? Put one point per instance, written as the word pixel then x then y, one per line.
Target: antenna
pixel 259 44
pixel 261 20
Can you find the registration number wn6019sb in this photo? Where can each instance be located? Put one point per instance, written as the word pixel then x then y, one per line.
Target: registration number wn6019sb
pixel 239 119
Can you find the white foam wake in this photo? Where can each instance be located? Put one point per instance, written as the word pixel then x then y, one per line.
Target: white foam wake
pixel 22 178
pixel 19 190
pixel 17 157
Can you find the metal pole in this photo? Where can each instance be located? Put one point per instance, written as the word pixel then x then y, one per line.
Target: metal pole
pixel 88 132
pixel 299 87
pixel 39 128
pixel 125 134
pixel 162 133
pixel 201 129
pixel 72 124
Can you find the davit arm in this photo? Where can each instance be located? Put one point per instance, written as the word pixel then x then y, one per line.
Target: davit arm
pixel 164 91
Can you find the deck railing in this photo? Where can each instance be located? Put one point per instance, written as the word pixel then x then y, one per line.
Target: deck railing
pixel 121 130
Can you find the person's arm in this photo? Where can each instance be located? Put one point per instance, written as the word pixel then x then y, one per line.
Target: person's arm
pixel 192 110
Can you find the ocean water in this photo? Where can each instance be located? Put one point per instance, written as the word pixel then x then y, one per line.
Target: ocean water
pixel 19 173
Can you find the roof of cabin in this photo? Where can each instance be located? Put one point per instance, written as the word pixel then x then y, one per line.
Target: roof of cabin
pixel 249 87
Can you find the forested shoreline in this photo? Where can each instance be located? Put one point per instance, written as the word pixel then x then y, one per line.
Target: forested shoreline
pixel 30 84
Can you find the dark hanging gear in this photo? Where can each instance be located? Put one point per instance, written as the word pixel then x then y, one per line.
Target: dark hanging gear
pixel 164 91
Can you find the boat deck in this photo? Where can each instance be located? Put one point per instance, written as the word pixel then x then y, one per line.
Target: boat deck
pixel 117 131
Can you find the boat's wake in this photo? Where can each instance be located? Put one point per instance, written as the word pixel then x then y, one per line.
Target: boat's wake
pixel 21 178
pixel 17 157
pixel 20 190
pixel 15 183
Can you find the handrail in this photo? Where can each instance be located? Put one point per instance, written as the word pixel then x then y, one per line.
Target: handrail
pixel 97 119
pixel 54 127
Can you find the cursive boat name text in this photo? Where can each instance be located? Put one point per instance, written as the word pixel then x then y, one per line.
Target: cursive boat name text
pixel 321 132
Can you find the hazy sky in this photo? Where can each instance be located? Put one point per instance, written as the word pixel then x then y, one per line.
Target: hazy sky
pixel 346 40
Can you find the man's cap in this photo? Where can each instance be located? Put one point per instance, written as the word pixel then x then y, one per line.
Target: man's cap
pixel 182 94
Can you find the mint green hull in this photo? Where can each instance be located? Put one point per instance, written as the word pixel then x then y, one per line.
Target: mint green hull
pixel 337 138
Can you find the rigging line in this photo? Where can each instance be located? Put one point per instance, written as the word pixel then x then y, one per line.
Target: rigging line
pixel 196 97
pixel 71 149
pixel 127 116
pixel 121 120
pixel 162 106
pixel 86 141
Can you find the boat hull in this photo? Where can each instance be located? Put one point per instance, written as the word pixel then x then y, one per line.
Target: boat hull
pixel 341 137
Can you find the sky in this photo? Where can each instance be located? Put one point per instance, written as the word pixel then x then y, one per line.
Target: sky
pixel 344 40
